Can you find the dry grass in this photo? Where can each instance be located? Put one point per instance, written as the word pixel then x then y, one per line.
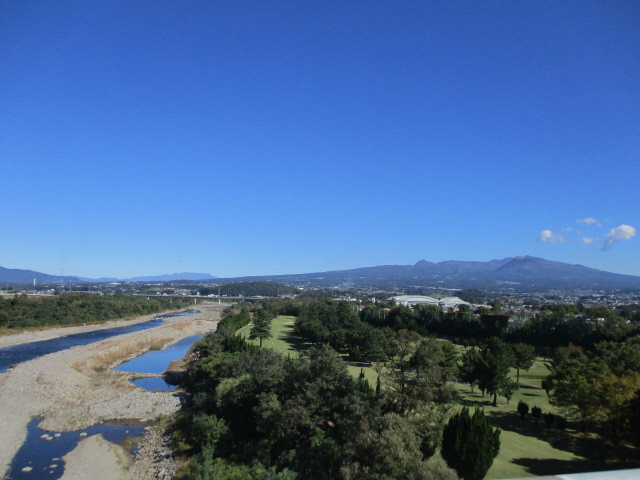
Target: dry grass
pixel 116 351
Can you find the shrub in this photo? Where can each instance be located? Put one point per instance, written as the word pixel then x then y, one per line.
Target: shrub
pixel 469 444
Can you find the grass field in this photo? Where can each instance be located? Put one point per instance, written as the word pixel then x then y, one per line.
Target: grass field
pixel 526 449
pixel 530 450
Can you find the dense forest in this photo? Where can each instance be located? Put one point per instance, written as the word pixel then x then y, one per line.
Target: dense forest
pixel 553 326
pixel 21 311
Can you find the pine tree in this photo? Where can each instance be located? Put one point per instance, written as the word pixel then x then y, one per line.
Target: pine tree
pixel 469 444
pixel 261 326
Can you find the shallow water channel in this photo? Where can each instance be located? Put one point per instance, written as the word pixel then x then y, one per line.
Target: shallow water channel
pixel 40 457
pixel 28 351
pixel 156 362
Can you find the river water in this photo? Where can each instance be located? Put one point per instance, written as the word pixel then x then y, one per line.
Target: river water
pixel 40 457
pixel 28 351
pixel 156 362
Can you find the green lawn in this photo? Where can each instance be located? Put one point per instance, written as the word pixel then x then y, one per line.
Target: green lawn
pixel 282 338
pixel 525 450
pixel 523 456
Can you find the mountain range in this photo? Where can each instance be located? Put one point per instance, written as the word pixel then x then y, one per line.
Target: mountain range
pixel 519 272
pixel 14 275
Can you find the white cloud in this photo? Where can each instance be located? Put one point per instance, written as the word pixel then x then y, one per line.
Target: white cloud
pixel 618 234
pixel 592 221
pixel 547 236
pixel 588 241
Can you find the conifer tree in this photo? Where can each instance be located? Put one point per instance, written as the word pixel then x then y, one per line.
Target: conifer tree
pixel 469 444
pixel 261 326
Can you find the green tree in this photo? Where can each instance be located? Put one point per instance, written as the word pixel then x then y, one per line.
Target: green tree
pixel 616 396
pixel 496 306
pixel 524 355
pixel 261 328
pixel 387 448
pixel 469 444
pixel 497 358
pixel 523 409
pixel 414 372
pixel 469 369
pixel 451 357
pixel 574 384
pixel 536 413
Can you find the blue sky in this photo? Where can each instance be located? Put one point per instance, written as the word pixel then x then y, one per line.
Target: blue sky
pixel 250 137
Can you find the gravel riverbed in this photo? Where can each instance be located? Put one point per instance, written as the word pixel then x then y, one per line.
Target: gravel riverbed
pixel 77 388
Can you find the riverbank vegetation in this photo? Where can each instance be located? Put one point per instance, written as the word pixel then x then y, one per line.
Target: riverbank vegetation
pixel 21 311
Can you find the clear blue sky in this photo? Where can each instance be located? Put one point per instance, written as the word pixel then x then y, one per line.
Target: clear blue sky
pixel 251 137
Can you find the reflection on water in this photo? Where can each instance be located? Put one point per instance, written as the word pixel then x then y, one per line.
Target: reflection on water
pixel 40 457
pixel 22 353
pixel 156 362
pixel 154 383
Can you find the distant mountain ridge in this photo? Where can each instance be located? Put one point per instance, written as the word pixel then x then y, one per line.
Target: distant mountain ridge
pixel 172 277
pixel 526 272
pixel 14 275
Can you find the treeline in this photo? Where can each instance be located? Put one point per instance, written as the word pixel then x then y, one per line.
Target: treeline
pixel 431 319
pixel 554 326
pixel 255 414
pixel 75 308
pixel 338 325
pixel 559 328
pixel 250 289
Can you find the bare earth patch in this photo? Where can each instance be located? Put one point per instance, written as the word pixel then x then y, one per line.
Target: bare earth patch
pixel 108 461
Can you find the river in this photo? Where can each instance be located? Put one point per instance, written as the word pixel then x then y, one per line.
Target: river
pixel 15 354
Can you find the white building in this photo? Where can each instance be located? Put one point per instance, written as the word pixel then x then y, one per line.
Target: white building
pixel 411 300
pixel 452 302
